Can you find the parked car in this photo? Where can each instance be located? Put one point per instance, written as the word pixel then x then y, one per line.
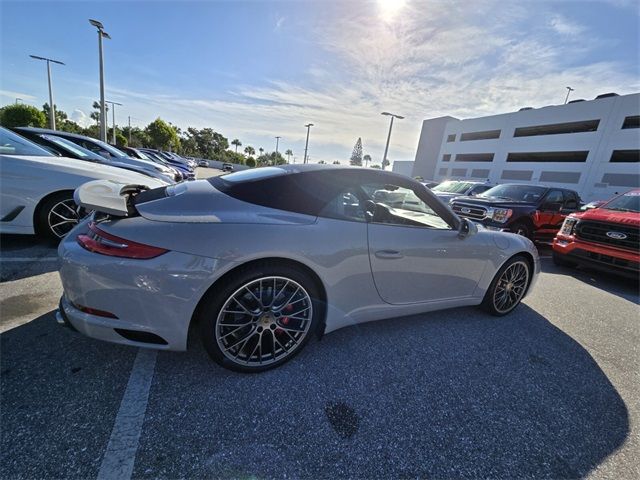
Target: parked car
pixel 607 237
pixel 62 147
pixel 533 211
pixel 457 188
pixel 185 169
pixel 37 186
pixel 299 250
pixel 429 183
pixel 136 153
pixel 107 151
pixel 203 163
pixel 227 167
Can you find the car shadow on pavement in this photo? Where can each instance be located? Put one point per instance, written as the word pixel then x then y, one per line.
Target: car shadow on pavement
pixel 627 288
pixel 453 394
pixel 60 395
pixel 20 256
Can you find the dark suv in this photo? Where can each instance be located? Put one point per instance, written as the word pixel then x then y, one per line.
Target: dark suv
pixel 534 211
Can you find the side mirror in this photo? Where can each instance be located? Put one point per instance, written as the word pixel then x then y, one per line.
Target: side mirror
pixel 467 228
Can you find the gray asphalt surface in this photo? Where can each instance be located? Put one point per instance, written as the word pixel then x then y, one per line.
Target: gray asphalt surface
pixel 550 391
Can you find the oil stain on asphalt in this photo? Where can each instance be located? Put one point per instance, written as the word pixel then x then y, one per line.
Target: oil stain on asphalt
pixel 342 418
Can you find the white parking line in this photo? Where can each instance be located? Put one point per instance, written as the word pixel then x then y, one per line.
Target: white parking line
pixel 120 455
pixel 28 259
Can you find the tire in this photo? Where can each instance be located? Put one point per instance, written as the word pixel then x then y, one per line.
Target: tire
pixel 492 302
pixel 560 260
pixel 56 216
pixel 521 228
pixel 261 335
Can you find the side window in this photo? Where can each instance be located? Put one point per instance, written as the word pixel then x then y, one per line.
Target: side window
pixel 553 201
pixel 571 201
pixel 395 205
pixel 345 206
pixel 480 189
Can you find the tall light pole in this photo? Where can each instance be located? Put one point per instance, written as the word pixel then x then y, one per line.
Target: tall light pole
pixel 277 142
pixel 386 148
pixel 113 117
pixel 306 145
pixel 103 120
pixel 52 108
pixel 569 90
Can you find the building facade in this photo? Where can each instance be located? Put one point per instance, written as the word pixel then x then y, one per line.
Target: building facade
pixel 592 147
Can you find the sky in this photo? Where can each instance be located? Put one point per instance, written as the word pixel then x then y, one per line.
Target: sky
pixel 254 70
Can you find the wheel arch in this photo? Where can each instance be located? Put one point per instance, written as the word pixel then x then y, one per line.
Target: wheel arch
pixel 259 262
pixel 36 210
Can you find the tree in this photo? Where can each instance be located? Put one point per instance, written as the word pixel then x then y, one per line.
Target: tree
pixel 232 157
pixel 322 162
pixel 367 159
pixel 261 150
pixel 249 150
pixel 210 144
pixel 385 163
pixel 356 155
pixel 162 135
pixel 288 153
pixel 21 115
pixel 95 115
pixel 237 143
pixel 336 162
pixel 376 166
pixel 62 120
pixel 250 162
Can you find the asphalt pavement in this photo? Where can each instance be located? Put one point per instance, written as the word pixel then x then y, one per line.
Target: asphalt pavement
pixel 549 391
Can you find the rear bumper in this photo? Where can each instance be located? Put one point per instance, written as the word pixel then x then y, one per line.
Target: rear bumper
pixel 598 256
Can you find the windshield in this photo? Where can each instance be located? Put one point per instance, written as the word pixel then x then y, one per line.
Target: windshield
pixel 95 145
pixel 520 193
pixel 452 186
pixel 73 148
pixel 13 144
pixel 629 202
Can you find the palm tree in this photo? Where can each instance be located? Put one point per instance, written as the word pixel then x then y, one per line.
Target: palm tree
pixel 250 151
pixel 261 150
pixel 367 159
pixel 288 153
pixel 237 143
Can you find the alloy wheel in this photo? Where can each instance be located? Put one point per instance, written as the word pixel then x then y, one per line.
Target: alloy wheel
pixel 264 321
pixel 511 286
pixel 62 217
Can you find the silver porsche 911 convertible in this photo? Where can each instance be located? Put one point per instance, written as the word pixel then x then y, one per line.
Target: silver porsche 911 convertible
pixel 260 261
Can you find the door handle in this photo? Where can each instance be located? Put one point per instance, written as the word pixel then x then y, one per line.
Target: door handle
pixel 388 254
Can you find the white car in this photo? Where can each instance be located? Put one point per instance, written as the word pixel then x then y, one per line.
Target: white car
pixel 37 187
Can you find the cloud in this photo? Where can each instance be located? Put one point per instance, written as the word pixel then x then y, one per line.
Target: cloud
pixel 565 26
pixel 14 95
pixel 279 22
pixel 81 118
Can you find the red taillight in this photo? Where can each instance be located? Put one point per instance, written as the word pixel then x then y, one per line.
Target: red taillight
pixel 94 311
pixel 99 241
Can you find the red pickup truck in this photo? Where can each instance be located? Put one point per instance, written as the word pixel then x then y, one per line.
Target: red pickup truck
pixel 607 237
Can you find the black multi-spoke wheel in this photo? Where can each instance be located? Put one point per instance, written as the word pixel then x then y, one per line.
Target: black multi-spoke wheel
pixel 57 215
pixel 508 287
pixel 260 320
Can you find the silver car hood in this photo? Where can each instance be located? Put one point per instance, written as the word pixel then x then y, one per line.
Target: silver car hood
pixel 200 202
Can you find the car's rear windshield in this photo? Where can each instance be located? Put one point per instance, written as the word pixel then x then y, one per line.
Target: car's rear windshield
pixel 68 146
pixel 520 193
pixel 452 187
pixel 629 202
pixel 13 144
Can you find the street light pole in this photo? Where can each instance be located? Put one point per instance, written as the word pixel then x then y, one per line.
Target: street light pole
pixel 306 145
pixel 52 108
pixel 113 117
pixel 386 148
pixel 569 90
pixel 277 142
pixel 103 122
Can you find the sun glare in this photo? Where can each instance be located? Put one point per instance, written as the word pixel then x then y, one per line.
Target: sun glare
pixel 389 9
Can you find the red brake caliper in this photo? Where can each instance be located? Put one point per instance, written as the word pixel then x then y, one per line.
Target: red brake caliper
pixel 284 320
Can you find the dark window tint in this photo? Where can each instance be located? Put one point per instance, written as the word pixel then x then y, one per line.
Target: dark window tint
pixel 554 196
pixel 631 122
pixel 446 157
pixel 548 156
pixel 451 138
pixel 474 157
pixel 625 156
pixel 557 128
pixel 487 135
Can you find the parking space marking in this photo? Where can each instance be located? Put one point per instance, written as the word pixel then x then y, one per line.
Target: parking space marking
pixel 121 451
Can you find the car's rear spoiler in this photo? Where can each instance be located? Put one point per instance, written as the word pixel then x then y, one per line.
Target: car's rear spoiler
pixel 109 197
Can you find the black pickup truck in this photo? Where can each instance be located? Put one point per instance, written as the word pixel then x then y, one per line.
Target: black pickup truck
pixel 534 211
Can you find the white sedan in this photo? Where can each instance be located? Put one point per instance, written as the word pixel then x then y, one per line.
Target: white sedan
pixel 37 187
